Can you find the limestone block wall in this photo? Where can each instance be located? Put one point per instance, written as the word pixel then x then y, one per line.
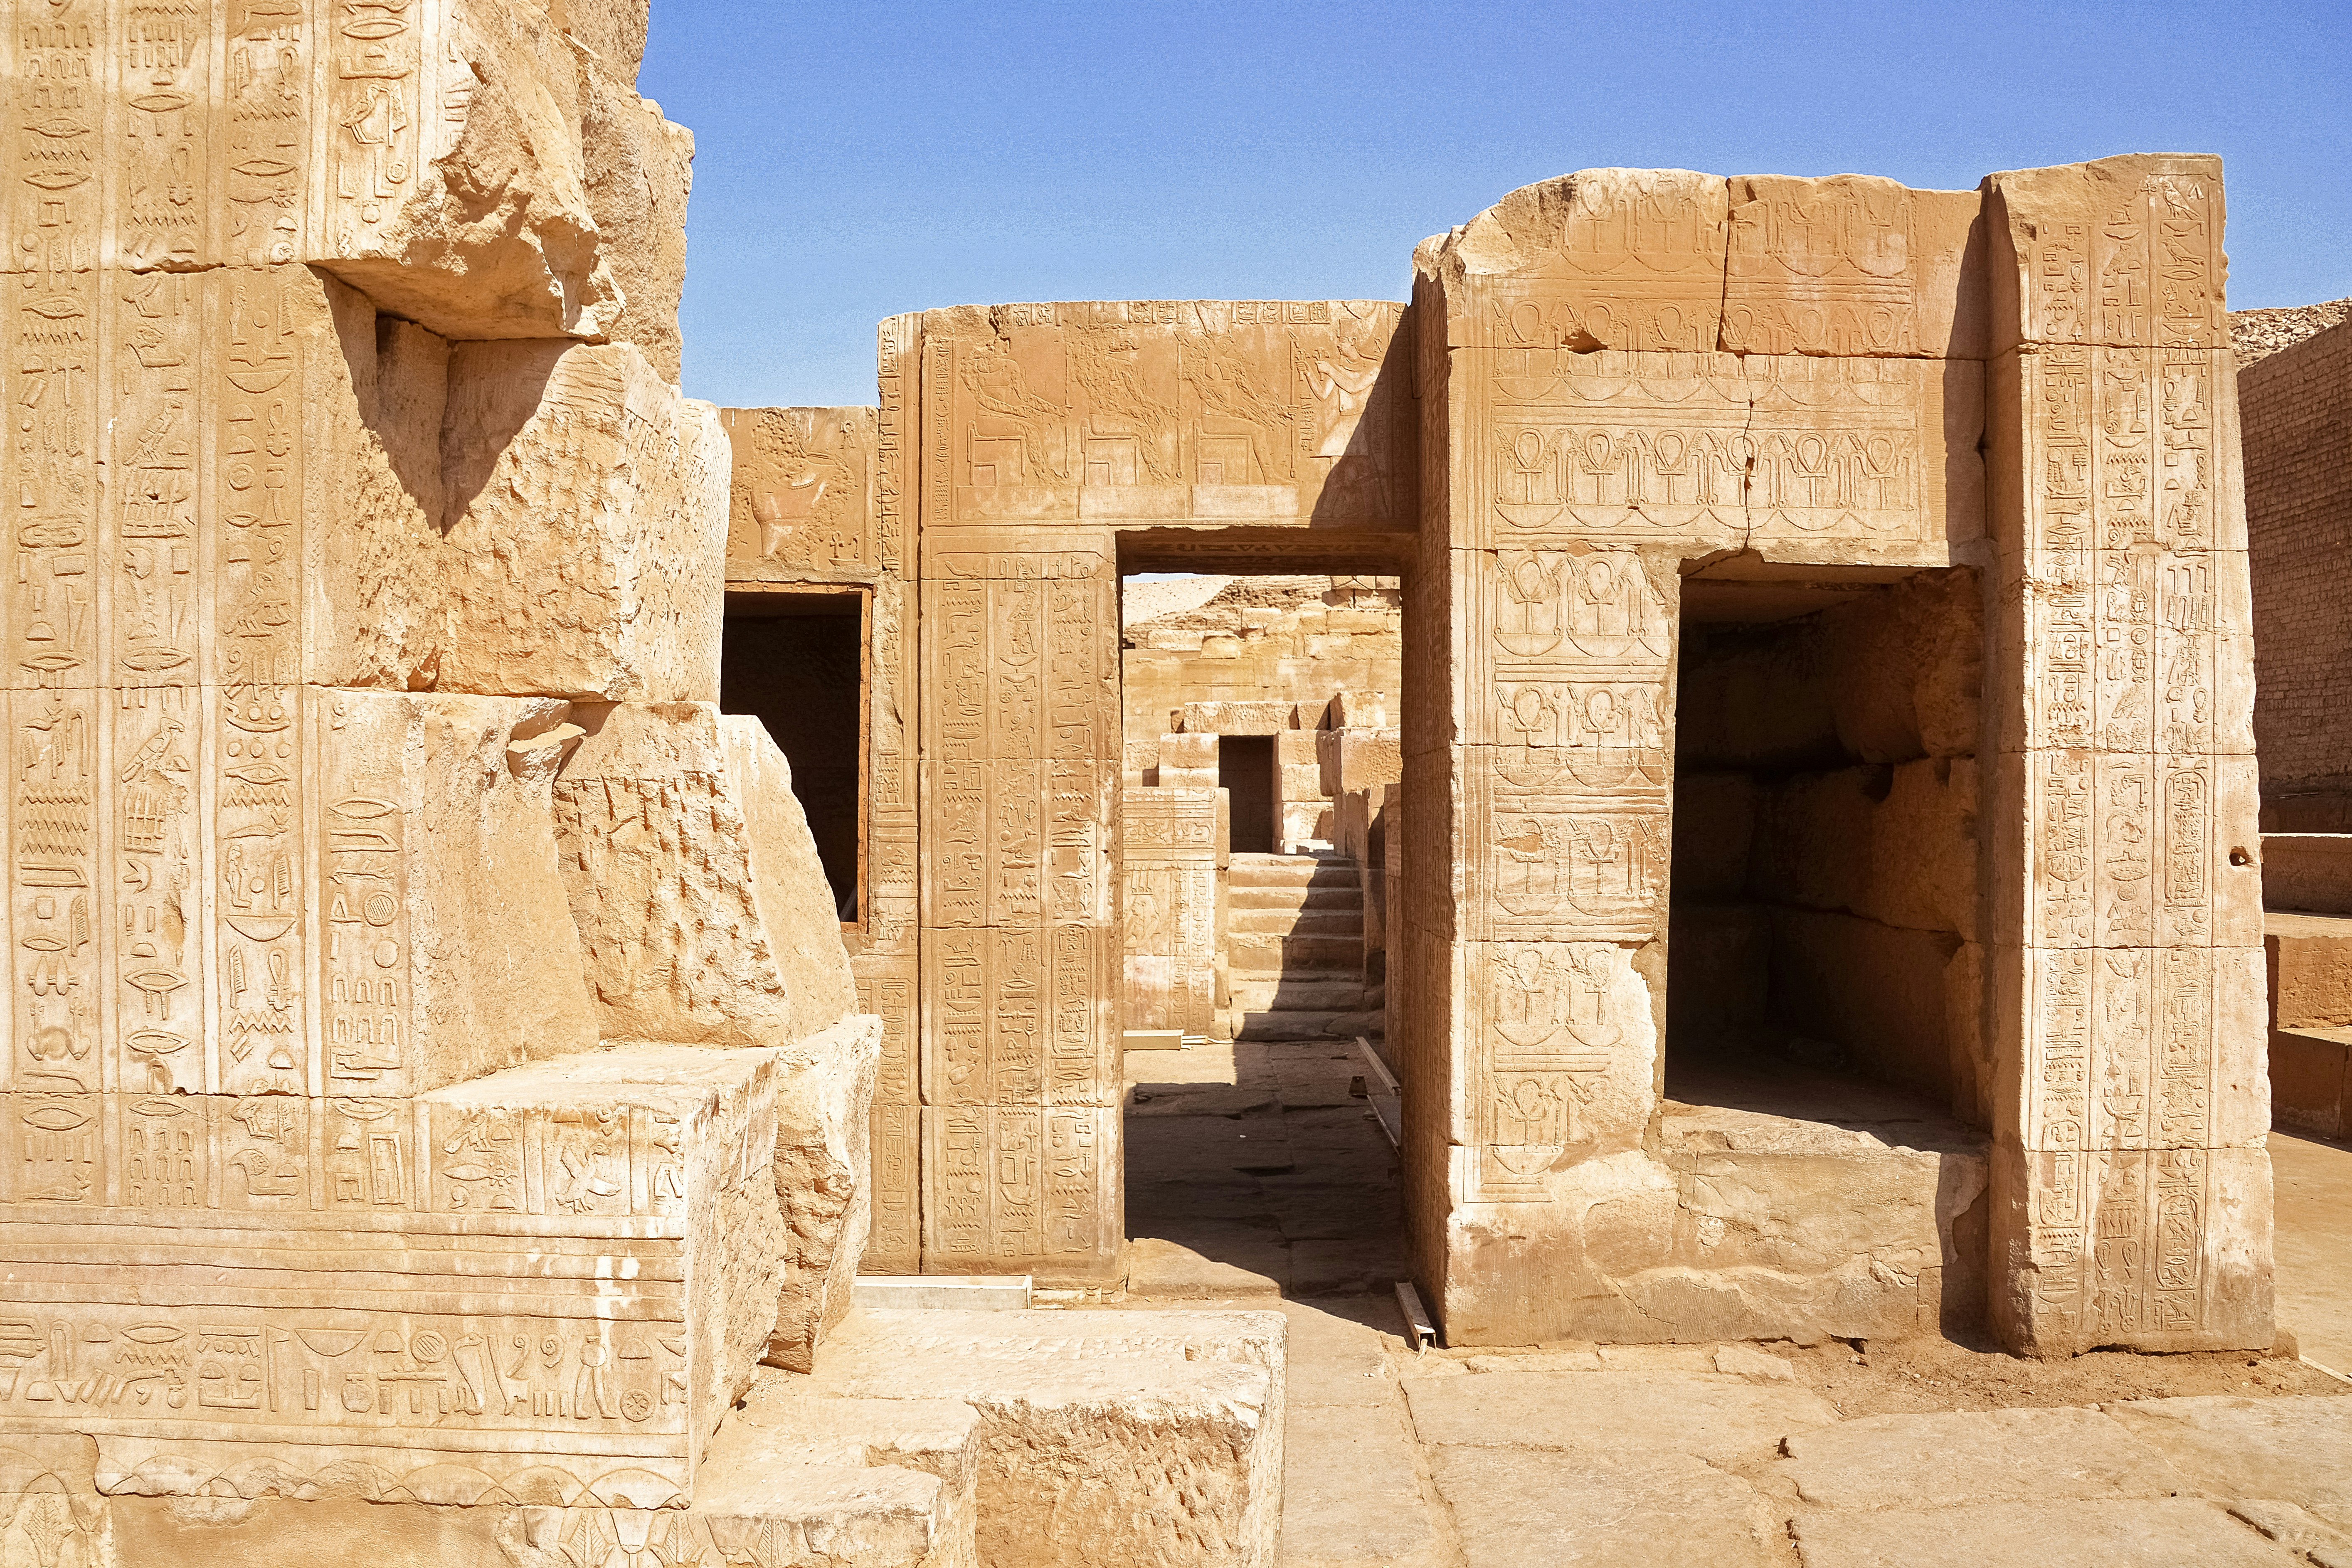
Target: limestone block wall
pixel 2131 1192
pixel 2296 406
pixel 1055 439
pixel 1292 642
pixel 1169 933
pixel 353 506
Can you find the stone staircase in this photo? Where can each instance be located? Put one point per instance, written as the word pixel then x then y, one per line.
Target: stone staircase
pixel 1294 948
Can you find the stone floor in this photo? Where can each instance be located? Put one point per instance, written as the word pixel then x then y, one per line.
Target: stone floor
pixel 1256 1178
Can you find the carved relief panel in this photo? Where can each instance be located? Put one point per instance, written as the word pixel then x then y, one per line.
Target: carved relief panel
pixel 2131 756
pixel 1156 411
pixel 1167 939
pixel 802 495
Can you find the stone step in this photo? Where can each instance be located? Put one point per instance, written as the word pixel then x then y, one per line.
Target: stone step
pixel 1299 996
pixel 1305 1023
pixel 1291 871
pixel 1090 1421
pixel 1348 923
pixel 885 1483
pixel 1246 954
pixel 1350 898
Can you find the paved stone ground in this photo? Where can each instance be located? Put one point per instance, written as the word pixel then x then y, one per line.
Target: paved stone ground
pixel 1255 1177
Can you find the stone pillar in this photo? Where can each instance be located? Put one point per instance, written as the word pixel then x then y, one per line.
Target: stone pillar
pixel 887 967
pixel 1020 785
pixel 1168 877
pixel 2132 1191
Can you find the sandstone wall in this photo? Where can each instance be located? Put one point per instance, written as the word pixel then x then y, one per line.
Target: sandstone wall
pixel 1628 375
pixel 1826 845
pixel 379 874
pixel 2294 406
pixel 1293 643
pixel 816 504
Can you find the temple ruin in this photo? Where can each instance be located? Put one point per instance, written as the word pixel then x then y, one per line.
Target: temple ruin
pixel 587 874
pixel 1836 587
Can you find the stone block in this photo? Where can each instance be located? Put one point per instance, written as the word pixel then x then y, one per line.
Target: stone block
pixel 1715 1418
pixel 1536 1509
pixel 662 865
pixel 1107 1438
pixel 564 1270
pixel 824 1101
pixel 1252 718
pixel 2295 1449
pixel 2308 871
pixel 2154 1532
pixel 1353 758
pixel 800 500
pixel 788 884
pixel 2309 960
pixel 638 169
pixel 1960 1457
pixel 530 517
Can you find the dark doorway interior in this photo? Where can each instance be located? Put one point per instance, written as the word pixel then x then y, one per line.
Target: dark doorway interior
pixel 795 661
pixel 1245 767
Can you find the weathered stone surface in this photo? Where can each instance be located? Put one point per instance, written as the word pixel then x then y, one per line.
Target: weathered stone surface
pixel 1518 1508
pixel 1713 1417
pixel 781 1436
pixel 2295 1449
pixel 531 517
pixel 1084 1414
pixel 788 884
pixel 659 857
pixel 824 1102
pixel 1976 1457
pixel 1351 1492
pixel 699 1125
pixel 2146 1533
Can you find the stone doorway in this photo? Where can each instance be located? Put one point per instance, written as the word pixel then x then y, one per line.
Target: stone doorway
pixel 1259 767
pixel 1245 772
pixel 795 659
pixel 1824 1079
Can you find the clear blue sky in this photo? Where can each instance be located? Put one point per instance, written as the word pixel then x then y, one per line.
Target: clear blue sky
pixel 859 159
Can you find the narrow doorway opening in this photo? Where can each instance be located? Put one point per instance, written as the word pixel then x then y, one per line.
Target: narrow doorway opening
pixel 1262 774
pixel 1823 951
pixel 1245 772
pixel 795 660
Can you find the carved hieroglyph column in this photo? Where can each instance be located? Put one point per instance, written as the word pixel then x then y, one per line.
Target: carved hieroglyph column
pixel 1019 776
pixel 2132 1189
pixel 1167 907
pixel 887 976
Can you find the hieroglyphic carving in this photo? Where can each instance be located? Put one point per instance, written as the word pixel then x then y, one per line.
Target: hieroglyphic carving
pixel 261 984
pixel 381 107
pixel 1160 411
pixel 1568 776
pixel 2119 561
pixel 801 495
pixel 1168 850
pixel 1697 446
pixel 367 987
pixel 1017 1018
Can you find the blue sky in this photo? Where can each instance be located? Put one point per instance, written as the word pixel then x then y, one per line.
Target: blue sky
pixel 859 159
